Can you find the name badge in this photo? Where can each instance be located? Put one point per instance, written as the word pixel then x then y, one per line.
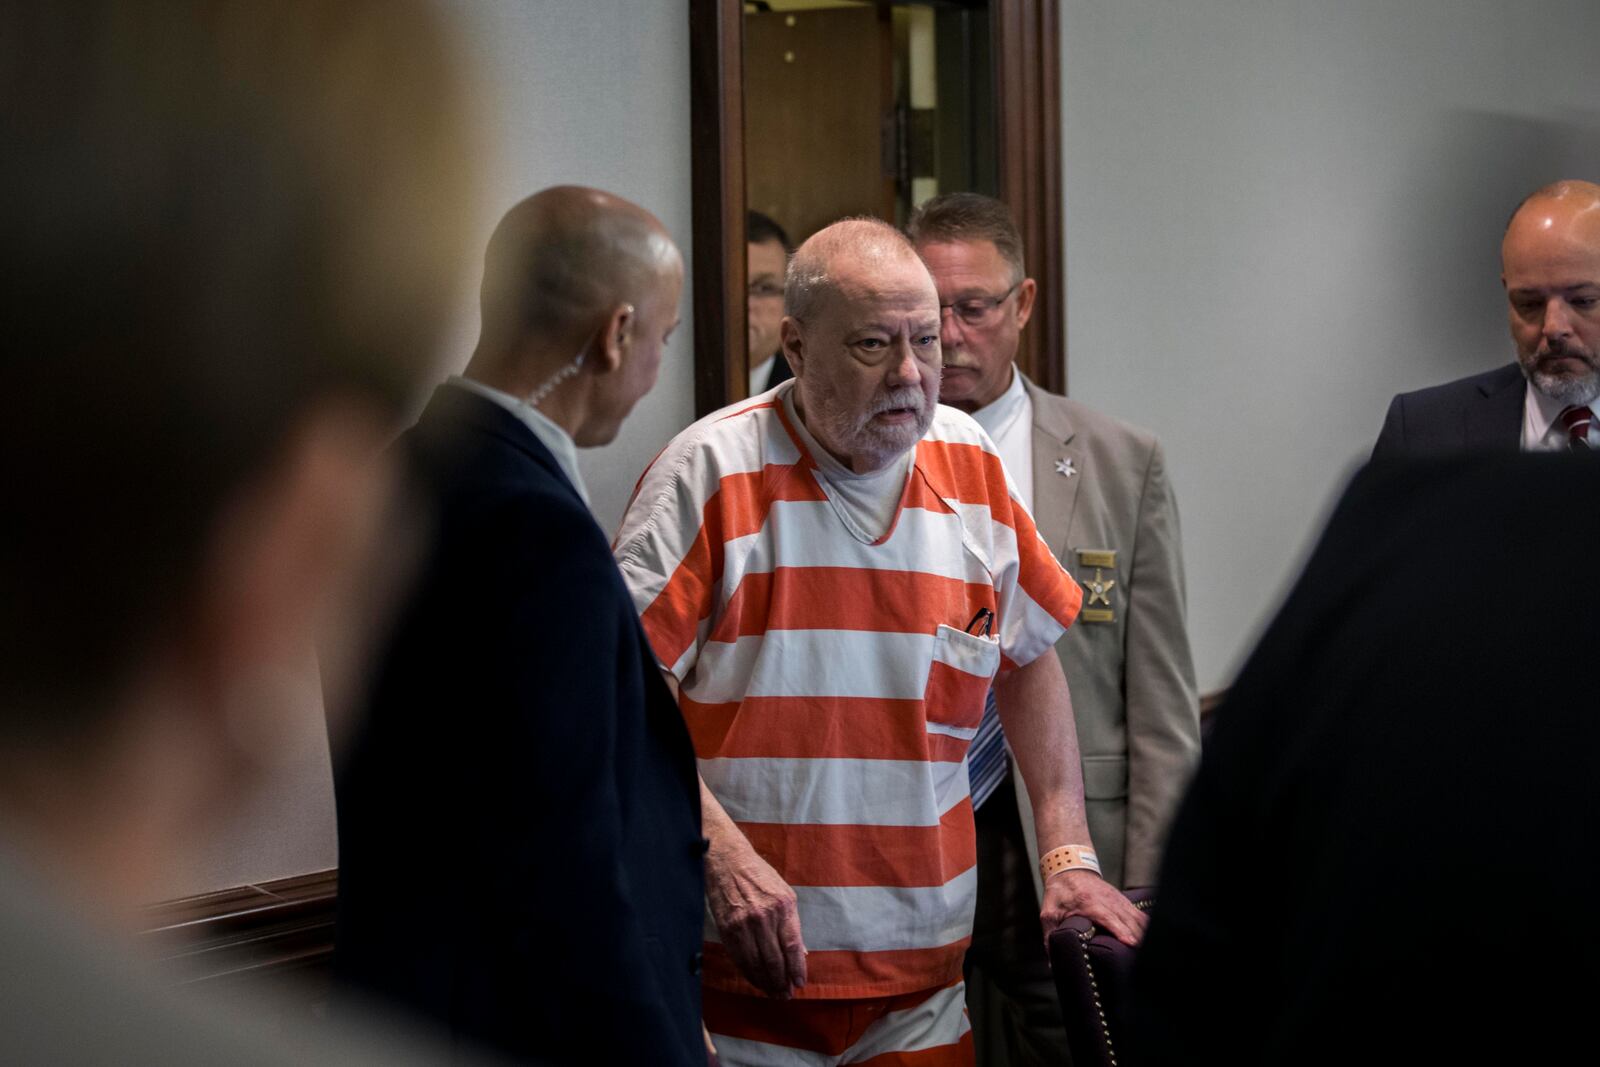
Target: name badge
pixel 1097 590
pixel 1097 557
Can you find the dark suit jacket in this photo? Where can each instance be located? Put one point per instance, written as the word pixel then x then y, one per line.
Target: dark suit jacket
pixel 519 823
pixel 1482 413
pixel 780 372
pixel 1388 852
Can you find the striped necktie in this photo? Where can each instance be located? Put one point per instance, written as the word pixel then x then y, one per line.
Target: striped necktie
pixel 987 759
pixel 1578 421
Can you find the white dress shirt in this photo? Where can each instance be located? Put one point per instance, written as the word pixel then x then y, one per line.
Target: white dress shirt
pixel 1541 423
pixel 1008 419
pixel 759 374
pixel 557 440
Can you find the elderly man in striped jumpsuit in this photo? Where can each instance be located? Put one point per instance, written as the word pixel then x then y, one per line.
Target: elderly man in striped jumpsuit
pixel 834 573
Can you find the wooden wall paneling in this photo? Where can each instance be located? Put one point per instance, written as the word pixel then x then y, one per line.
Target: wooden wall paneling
pixel 1025 49
pixel 889 140
pixel 1028 103
pixel 818 106
pixel 268 946
pixel 966 134
pixel 716 115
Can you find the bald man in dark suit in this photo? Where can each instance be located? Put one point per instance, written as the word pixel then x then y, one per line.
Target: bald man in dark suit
pixel 519 820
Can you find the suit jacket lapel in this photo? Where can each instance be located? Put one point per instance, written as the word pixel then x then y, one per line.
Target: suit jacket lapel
pixel 1495 423
pixel 1055 495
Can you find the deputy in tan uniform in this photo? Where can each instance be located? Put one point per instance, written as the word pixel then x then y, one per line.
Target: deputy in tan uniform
pixel 1098 490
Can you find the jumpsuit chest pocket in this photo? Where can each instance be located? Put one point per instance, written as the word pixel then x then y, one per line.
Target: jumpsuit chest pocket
pixel 962 668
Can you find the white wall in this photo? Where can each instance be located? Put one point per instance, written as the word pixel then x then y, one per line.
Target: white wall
pixel 1281 212
pixel 594 92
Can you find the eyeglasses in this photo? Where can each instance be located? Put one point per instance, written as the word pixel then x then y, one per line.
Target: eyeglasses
pixel 978 310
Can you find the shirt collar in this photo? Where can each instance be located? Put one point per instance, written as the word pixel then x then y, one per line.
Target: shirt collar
pixel 1540 416
pixel 760 373
pixel 1003 411
pixel 557 440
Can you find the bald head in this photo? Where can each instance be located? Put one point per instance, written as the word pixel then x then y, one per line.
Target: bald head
pixel 1570 195
pixel 1550 266
pixel 845 256
pixel 562 259
pixel 580 293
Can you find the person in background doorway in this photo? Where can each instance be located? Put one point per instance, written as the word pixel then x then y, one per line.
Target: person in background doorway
pixel 767 261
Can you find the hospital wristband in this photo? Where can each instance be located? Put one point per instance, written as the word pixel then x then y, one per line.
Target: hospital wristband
pixel 1068 858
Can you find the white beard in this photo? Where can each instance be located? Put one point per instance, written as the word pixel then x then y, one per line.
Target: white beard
pixel 859 435
pixel 1569 389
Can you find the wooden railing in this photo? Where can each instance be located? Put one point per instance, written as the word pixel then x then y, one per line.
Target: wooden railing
pixel 238 942
pixel 275 933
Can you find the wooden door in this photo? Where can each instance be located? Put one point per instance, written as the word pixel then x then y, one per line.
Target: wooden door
pixel 817 101
pixel 1025 44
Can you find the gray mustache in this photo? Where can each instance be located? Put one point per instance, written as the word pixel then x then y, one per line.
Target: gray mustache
pixel 905 398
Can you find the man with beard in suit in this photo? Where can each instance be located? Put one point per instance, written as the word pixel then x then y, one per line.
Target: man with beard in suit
pixel 1545 401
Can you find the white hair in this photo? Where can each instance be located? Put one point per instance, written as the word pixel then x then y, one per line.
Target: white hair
pixel 810 277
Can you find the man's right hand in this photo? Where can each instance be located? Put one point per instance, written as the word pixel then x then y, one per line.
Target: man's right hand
pixel 757 916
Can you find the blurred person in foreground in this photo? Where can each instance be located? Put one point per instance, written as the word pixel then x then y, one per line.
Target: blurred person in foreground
pixel 519 821
pixel 834 575
pixel 1388 848
pixel 232 231
pixel 1546 400
pixel 1099 491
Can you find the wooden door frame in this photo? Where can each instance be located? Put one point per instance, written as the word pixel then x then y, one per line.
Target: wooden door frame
pixel 1027 64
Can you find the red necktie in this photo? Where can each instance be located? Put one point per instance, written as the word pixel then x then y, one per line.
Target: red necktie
pixel 1577 421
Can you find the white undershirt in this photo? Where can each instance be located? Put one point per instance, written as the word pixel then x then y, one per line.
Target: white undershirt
pixel 1541 423
pixel 557 440
pixel 1008 419
pixel 865 503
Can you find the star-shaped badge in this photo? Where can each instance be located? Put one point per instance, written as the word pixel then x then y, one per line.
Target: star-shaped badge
pixel 1099 589
pixel 1064 466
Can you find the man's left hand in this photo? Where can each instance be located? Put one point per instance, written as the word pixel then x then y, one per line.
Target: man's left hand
pixel 1082 892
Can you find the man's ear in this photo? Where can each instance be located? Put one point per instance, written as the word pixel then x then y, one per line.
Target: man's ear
pixel 1026 292
pixel 616 335
pixel 792 343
